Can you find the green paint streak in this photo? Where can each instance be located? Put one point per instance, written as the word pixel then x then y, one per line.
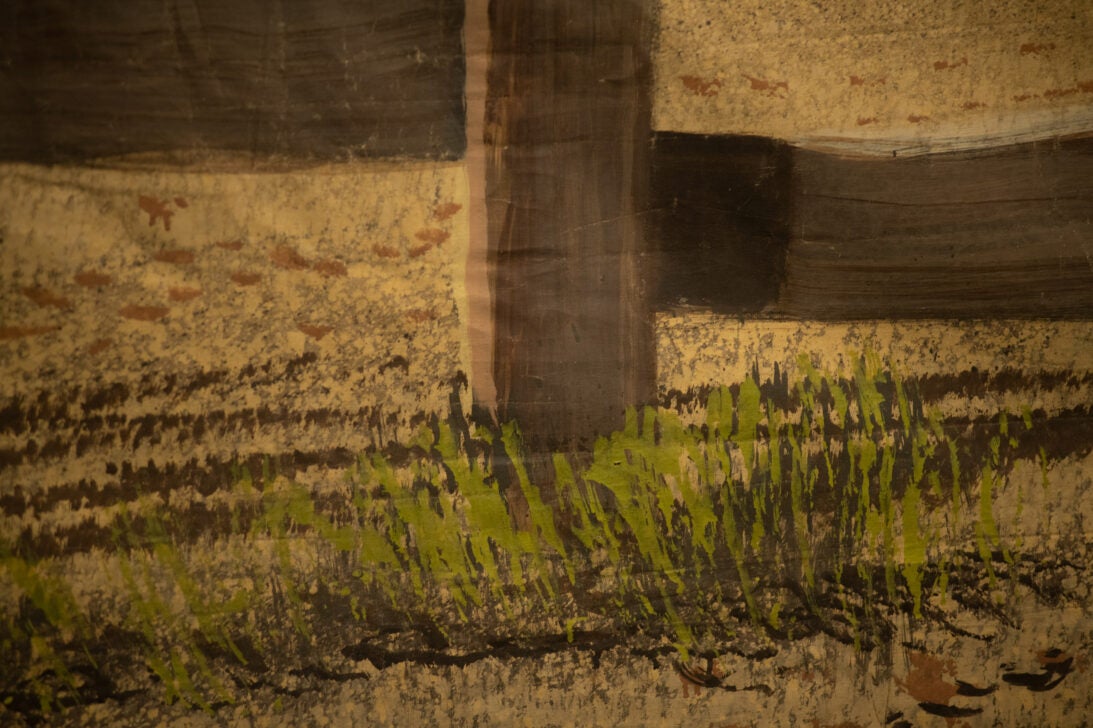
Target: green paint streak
pixel 748 416
pixel 542 515
pixel 914 546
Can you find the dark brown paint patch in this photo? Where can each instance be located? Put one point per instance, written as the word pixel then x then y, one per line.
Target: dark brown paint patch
pixel 770 88
pixel 230 244
pixel 701 86
pixel 92 279
pixel 331 268
pixel 242 278
pixel 446 210
pixel 917 118
pixel 46 298
pixel 181 202
pixel 865 121
pixel 864 81
pixel 924 681
pixel 385 251
pixel 175 256
pixel 287 258
pixel 143 313
pixel 98 346
pixel 1059 93
pixel 433 236
pixel 421 315
pixel 315 331
pixel 973 105
pixel 1035 49
pixel 156 209
pixel 183 293
pixel 949 65
pixel 19 332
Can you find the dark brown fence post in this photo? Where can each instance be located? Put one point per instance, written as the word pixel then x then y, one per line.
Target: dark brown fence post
pixel 568 132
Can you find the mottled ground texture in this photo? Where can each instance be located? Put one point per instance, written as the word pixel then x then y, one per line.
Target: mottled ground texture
pixel 237 486
pixel 876 78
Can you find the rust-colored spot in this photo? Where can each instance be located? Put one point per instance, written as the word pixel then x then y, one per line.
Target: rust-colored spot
pixel 175 256
pixel 862 81
pixel 446 210
pixel 924 681
pixel 330 268
pixel 285 257
pixel 19 332
pixel 1036 49
pixel 144 313
pixel 98 346
pixel 701 86
pixel 949 65
pixel 1058 93
pixel 92 278
pixel 183 293
pixel 421 315
pixel 230 244
pixel 771 88
pixel 1086 87
pixel 432 235
pixel 156 209
pixel 1052 657
pixel 315 332
pixel 241 278
pixel 45 297
pixel 181 202
pixel 917 118
pixel 385 251
pixel 972 105
pixel 1026 97
pixel 431 238
pixel 863 120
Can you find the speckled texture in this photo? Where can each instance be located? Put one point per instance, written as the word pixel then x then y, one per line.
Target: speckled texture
pixel 697 348
pixel 876 77
pixel 262 297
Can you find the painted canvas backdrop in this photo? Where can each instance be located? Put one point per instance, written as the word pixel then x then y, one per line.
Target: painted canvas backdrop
pixel 320 326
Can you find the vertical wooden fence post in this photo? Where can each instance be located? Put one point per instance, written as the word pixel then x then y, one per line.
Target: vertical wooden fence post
pixel 568 128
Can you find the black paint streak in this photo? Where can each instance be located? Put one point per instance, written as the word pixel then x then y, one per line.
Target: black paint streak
pixel 595 642
pixel 949 711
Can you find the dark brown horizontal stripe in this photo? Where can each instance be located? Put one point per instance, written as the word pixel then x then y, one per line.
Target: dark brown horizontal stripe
pixel 313 79
pixel 88 407
pixel 90 435
pixel 1054 437
pixel 752 226
pixel 1033 172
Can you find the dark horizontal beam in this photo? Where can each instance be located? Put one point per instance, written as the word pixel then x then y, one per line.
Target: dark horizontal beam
pixel 752 226
pixel 324 79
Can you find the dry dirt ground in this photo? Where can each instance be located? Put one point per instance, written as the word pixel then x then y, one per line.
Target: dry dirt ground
pixel 158 329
